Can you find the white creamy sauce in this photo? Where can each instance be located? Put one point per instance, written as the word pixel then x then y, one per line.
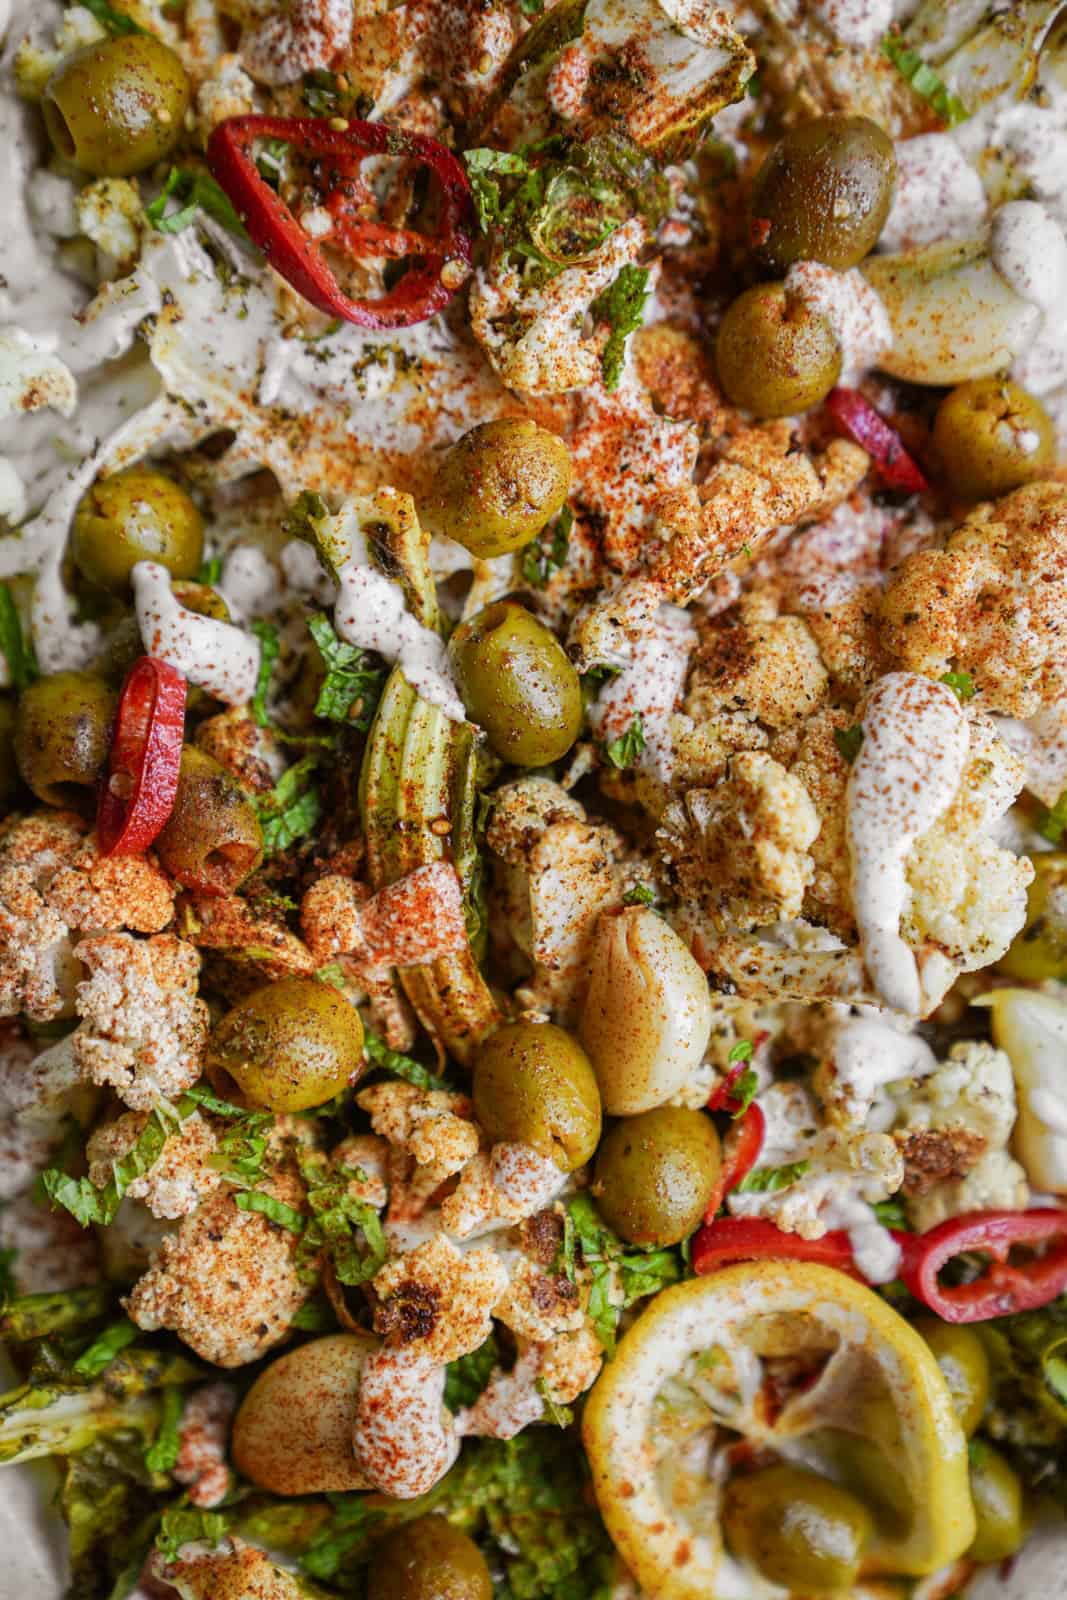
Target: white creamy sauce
pixel 249 582
pixel 909 766
pixel 649 687
pixel 1041 745
pixel 852 308
pixel 1029 250
pixel 214 655
pixel 869 1053
pixel 938 194
pixel 371 613
pixel 858 23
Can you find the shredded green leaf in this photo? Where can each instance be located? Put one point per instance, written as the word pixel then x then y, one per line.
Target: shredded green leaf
pixel 622 305
pixel 618 1276
pixel 624 751
pixel 348 1230
pixel 354 680
pixel 89 1204
pixel 379 1053
pixel 185 1524
pixel 531 8
pixel 7 1275
pixel 194 191
pixel 642 894
pixel 768 1180
pixel 210 571
pixel 116 22
pixel 162 1453
pixel 562 1416
pixel 274 1210
pixel 1053 824
pixel 292 808
pixel 36 1316
pixel 744 1091
pixel 269 645
pixel 15 646
pixel 961 683
pixel 848 741
pixel 467 1378
pixel 105 1347
pixel 547 554
pixel 741 1051
pixel 927 83
pixel 891 1214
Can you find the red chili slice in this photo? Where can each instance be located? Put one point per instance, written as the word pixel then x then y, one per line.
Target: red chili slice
pixel 146 751
pixel 857 418
pixel 740 1152
pixel 1004 1287
pixel 421 291
pixel 729 1239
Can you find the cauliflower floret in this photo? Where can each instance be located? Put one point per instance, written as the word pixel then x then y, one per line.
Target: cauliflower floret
pixel 964 1108
pixel 38 1094
pixel 35 64
pixel 227 1281
pixel 251 753
pixel 109 213
pixel 822 769
pixel 202 1435
pixel 177 1181
pixel 433 1126
pixel 996 1182
pixel 234 1571
pixel 741 849
pixel 861 1058
pixel 993 601
pixel 571 1364
pixel 227 91
pixel 534 336
pixel 510 1183
pixel 37 967
pixel 253 938
pixel 143 1028
pixel 574 874
pixel 409 923
pixel 436 1302
pixel 96 893
pixel 305 37
pixel 521 813
pixel 32 375
pixel 52 1251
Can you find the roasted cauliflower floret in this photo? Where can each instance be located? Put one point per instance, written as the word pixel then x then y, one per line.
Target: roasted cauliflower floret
pixel 236 741
pixel 96 893
pixel 540 1304
pixel 741 849
pixel 436 1302
pixel 254 940
pixel 227 1281
pixel 509 1183
pixel 957 1113
pixel 992 602
pixel 39 1093
pixel 574 873
pixel 996 1182
pixel 227 91
pixel 433 1126
pixel 203 1433
pixel 143 1028
pixel 178 1180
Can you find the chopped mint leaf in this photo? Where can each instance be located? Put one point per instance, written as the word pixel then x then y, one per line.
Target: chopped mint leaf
pixel 210 571
pixel 380 1055
pixel 642 894
pixel 531 8
pixel 962 683
pixel 547 554
pixel 105 1347
pixel 927 83
pixel 267 634
pixel 891 1214
pixel 768 1180
pixel 194 191
pixel 1053 824
pixel 162 1454
pixel 185 1524
pixel 291 809
pixel 741 1051
pixel 622 305
pixel 624 751
pixel 348 1230
pixel 744 1092
pixel 333 974
pixel 467 1378
pixel 15 646
pixel 89 1204
pixel 562 1416
pixel 618 1277
pixel 116 22
pixel 848 741
pixel 353 683
pixel 274 1210
pixel 315 1316
pixel 480 164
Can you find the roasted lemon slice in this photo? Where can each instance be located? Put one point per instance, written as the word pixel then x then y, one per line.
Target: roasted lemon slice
pixel 787 1357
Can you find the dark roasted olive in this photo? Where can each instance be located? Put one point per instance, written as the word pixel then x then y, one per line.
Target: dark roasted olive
pixel 961 1355
pixel 116 106
pixel 797 1529
pixel 62 734
pixel 136 515
pixel 288 1046
pixel 998 1505
pixel 498 486
pixel 823 194
pixel 212 839
pixel 533 1083
pixel 428 1559
pixel 774 355
pixel 992 436
pixel 655 1174
pixel 517 684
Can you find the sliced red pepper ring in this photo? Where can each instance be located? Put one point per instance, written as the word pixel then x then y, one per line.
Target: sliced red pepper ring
pixel 146 750
pixel 422 291
pixel 1004 1286
pixel 858 419
pixel 730 1239
pixel 740 1152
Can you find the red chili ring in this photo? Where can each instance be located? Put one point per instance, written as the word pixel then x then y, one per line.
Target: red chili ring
pixel 146 750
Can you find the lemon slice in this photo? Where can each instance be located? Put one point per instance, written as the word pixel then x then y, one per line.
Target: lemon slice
pixel 697 1370
pixel 1032 1027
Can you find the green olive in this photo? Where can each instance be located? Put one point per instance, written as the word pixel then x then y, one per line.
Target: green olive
pixel 774 355
pixel 117 106
pixel 964 1364
pixel 62 733
pixel 534 1083
pixel 992 436
pixel 9 775
pixel 136 515
pixel 498 486
pixel 201 598
pixel 823 194
pixel 517 684
pixel 428 1559
pixel 212 839
pixel 1040 950
pixel 656 1173
pixel 998 1505
pixel 796 1528
pixel 289 1046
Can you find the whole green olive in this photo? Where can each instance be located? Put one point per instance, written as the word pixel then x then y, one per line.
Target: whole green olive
pixel 212 839
pixel 798 1529
pixel 823 194
pixel 517 684
pixel 288 1046
pixel 498 486
pixel 136 515
pixel 774 355
pixel 964 1364
pixel 656 1173
pixel 992 436
pixel 117 106
pixel 534 1083
pixel 62 733
pixel 1040 950
pixel 998 1505
pixel 428 1559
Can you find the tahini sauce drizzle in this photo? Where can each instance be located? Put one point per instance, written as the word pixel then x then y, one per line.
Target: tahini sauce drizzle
pixel 214 655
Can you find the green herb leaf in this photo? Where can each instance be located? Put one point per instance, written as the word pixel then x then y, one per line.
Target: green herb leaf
pixel 848 741
pixel 622 305
pixel 322 94
pixel 642 894
pixel 624 751
pixel 267 634
pixel 354 679
pixel 962 683
pixel 162 1454
pixel 292 808
pixel 185 1524
pixel 194 191
pixel 618 1277
pixel 741 1051
pixel 7 1275
pixel 105 1347
pixel 562 1416
pixel 210 571
pixel 891 1214
pixel 15 646
pixel 744 1091
pixel 480 164
pixel 89 1204
pixel 315 1316
pixel 274 1210
pixel 768 1180
pixel 467 1378
pixel 36 1316
pixel 379 1053
pixel 343 1227
pixel 116 22
pixel 1053 824
pixel 927 83
pixel 547 554
pixel 531 8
